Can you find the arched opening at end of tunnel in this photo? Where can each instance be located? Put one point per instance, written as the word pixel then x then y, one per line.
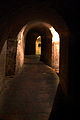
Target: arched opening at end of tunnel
pixel 33 47
pixel 38 46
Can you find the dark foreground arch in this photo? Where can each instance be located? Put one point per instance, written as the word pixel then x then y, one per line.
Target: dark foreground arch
pixel 15 25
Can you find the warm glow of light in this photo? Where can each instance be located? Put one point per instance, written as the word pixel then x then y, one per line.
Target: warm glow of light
pixel 55 35
pixel 39 37
pixel 38 48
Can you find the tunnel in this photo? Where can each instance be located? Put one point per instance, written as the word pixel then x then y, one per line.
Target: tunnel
pixel 45 31
pixel 50 53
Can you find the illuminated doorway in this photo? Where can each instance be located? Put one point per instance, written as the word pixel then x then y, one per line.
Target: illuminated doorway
pixel 38 46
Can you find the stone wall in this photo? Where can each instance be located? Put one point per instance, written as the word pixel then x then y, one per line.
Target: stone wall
pixel 20 51
pixel 2 64
pixel 55 56
pixel 3 60
pixel 30 43
pixel 46 50
pixel 11 57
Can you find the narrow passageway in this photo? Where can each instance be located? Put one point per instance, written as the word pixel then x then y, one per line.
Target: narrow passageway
pixel 31 94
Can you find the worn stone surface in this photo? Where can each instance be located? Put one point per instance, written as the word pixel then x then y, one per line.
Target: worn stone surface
pixel 11 57
pixel 31 94
pixel 2 65
pixel 55 56
pixel 3 59
pixel 20 51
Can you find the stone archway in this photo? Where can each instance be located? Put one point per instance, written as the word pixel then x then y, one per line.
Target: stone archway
pixel 32 32
pixel 49 48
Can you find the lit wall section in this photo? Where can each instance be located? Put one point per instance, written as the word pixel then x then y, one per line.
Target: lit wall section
pixel 20 50
pixel 55 49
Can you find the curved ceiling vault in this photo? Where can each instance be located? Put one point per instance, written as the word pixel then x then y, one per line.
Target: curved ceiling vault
pixel 11 26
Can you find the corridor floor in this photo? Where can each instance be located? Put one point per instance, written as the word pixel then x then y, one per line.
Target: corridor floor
pixel 31 93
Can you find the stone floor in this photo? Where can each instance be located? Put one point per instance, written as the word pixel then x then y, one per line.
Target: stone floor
pixel 31 93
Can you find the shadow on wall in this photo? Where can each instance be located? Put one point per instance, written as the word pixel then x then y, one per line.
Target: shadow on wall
pixel 2 66
pixel 3 60
pixel 62 107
